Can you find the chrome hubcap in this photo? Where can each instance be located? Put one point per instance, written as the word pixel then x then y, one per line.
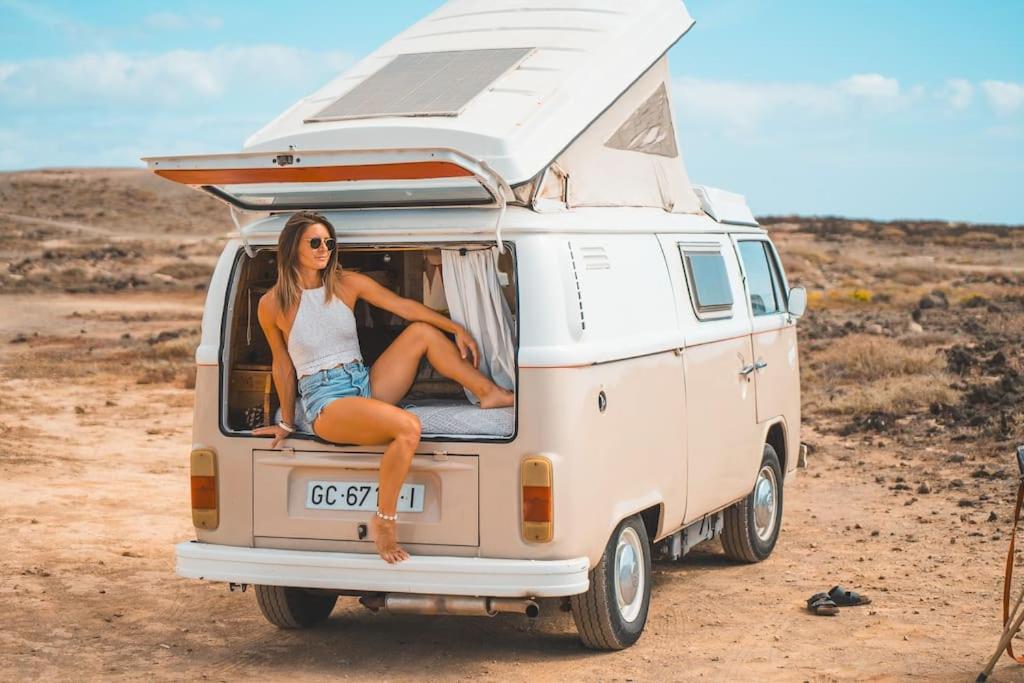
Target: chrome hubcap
pixel 628 574
pixel 765 503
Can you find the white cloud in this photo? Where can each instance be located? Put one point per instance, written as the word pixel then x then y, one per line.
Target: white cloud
pixel 958 93
pixel 870 86
pixel 744 105
pixel 120 139
pixel 174 77
pixel 1004 97
pixel 168 21
pixel 39 13
pixel 6 71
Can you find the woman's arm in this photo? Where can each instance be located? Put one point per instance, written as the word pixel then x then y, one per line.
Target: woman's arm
pixel 369 290
pixel 283 371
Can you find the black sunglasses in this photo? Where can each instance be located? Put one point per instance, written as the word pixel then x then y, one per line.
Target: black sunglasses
pixel 315 242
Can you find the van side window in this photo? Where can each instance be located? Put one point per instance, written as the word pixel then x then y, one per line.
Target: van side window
pixel 762 280
pixel 709 283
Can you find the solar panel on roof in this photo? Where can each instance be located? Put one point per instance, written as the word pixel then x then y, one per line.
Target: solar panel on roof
pixel 424 84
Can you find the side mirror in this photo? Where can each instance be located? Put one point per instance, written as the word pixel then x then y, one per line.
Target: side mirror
pixel 797 301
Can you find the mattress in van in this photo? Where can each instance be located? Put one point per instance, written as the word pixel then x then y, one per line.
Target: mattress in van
pixel 442 418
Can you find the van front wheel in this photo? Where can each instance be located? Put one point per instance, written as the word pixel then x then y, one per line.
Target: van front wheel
pixel 751 526
pixel 294 607
pixel 612 613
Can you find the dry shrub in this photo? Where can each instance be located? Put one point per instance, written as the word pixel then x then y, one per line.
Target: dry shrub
pixel 978 237
pixel 797 267
pixel 1005 325
pixel 927 339
pixel 810 253
pixel 184 270
pixel 865 358
pixel 183 348
pixel 58 363
pixel 913 275
pixel 841 298
pixel 910 278
pixel 895 395
pixel 157 375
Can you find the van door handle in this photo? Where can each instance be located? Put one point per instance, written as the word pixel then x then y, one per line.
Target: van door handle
pixel 746 370
pixel 760 364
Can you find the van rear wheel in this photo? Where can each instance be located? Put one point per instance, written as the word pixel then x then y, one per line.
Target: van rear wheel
pixel 294 607
pixel 751 526
pixel 612 613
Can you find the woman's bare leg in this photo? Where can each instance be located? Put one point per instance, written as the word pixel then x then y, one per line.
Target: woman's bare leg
pixel 366 421
pixel 394 371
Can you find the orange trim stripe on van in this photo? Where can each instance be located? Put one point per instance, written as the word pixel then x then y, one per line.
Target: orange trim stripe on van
pixel 414 170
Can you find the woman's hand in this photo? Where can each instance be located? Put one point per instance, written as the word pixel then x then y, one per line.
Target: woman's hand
pixel 277 431
pixel 466 345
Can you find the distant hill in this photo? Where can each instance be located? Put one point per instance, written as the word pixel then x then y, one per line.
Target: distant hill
pixel 122 200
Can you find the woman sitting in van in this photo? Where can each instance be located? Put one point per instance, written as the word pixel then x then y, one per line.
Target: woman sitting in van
pixel 308 320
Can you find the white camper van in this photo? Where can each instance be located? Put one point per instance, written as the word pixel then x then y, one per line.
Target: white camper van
pixel 515 166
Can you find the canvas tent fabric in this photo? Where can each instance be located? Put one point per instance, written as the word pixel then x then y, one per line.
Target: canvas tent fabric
pixel 628 156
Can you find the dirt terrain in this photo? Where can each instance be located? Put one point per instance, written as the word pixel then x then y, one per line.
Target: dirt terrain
pixel 913 400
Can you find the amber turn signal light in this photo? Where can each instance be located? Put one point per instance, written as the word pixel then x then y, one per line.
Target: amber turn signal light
pixel 204 493
pixel 203 472
pixel 538 499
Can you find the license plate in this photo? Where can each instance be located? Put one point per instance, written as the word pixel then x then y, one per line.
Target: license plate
pixel 359 495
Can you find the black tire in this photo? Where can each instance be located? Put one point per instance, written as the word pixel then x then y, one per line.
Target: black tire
pixel 740 537
pixel 294 607
pixel 601 622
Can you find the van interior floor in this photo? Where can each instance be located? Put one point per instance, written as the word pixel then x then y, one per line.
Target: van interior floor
pixel 412 271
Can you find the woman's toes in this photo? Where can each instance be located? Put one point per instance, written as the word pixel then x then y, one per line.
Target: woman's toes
pixel 497 398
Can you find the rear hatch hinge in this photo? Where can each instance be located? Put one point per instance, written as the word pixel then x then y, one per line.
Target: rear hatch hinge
pixel 241 233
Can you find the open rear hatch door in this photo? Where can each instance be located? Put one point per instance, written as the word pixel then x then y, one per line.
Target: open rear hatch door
pixel 346 179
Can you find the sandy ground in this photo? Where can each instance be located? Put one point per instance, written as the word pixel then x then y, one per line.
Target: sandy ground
pixel 95 420
pixel 94 486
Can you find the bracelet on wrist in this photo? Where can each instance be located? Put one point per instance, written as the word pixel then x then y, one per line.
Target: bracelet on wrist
pixel 286 427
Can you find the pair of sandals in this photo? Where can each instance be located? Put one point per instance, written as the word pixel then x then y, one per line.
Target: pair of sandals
pixel 828 604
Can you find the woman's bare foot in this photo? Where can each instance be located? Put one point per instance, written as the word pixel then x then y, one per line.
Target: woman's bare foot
pixel 497 398
pixel 386 539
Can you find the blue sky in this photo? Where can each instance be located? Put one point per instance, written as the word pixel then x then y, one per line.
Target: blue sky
pixel 910 109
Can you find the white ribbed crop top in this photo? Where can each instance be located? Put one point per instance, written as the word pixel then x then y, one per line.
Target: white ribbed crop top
pixel 323 335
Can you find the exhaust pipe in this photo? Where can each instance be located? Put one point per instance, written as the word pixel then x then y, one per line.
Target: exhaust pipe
pixel 409 603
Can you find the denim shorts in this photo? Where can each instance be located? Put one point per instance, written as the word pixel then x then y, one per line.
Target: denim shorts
pixel 342 381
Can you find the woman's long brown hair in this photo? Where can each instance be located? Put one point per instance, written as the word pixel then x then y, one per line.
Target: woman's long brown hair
pixel 288 291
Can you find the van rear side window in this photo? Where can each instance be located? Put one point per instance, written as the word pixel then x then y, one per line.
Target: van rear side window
pixel 709 283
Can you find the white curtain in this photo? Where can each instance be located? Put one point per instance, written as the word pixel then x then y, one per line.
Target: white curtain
pixel 476 302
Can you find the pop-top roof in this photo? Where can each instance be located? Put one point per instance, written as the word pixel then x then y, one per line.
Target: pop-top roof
pixel 540 103
pixel 509 82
